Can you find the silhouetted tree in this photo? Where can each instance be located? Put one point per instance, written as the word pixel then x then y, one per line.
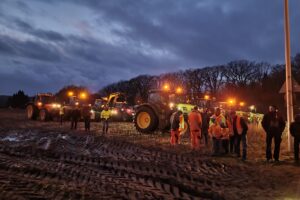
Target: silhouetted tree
pixel 18 100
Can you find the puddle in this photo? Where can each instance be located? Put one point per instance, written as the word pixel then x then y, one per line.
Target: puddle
pixel 11 138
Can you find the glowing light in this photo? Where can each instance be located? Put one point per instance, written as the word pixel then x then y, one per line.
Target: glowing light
pixel 83 95
pixel 179 90
pixel 252 107
pixel 70 93
pixel 242 104
pixel 231 102
pixel 39 103
pixel 206 97
pixel 54 105
pixel 114 112
pixel 166 87
pixel 171 105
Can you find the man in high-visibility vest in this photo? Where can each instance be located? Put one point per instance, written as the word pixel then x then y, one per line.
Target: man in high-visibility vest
pixel 217 124
pixel 195 123
pixel 105 115
pixel 240 128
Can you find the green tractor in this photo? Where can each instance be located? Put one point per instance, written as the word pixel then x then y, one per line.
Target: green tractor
pixel 155 114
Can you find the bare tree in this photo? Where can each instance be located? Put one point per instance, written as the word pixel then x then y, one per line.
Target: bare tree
pixel 214 78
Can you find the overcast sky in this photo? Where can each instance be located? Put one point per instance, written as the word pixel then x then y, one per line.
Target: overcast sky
pixel 47 44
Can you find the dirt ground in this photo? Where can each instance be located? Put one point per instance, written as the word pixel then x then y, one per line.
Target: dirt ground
pixel 44 160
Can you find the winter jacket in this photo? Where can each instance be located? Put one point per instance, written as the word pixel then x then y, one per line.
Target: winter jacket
pixel 175 120
pixel 86 112
pixel 273 122
pixel 75 113
pixel 239 126
pixel 205 121
pixel 295 127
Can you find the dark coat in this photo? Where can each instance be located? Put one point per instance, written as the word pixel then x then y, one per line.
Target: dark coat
pixel 273 122
pixel 205 121
pixel 295 128
pixel 175 120
pixel 75 114
pixel 243 125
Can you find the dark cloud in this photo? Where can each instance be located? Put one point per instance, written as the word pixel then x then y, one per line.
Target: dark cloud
pixel 97 42
pixel 29 49
pixel 43 34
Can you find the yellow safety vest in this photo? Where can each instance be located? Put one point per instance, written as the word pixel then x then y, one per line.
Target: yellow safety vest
pixel 105 114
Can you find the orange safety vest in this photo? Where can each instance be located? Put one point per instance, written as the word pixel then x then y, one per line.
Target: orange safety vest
pixel 227 131
pixel 214 127
pixel 195 121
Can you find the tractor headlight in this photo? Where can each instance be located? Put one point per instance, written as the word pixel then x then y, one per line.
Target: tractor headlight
pixel 171 105
pixel 129 111
pixel 114 112
pixel 55 105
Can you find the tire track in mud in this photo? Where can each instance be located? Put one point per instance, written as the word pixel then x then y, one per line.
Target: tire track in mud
pixel 103 167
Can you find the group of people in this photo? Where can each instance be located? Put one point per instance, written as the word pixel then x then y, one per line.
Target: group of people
pixel 274 126
pixel 85 113
pixel 228 131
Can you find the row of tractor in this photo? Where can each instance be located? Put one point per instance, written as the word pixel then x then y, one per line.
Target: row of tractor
pixel 46 106
pixel 154 115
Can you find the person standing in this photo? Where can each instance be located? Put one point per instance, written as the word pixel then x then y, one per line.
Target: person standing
pixel 61 114
pixel 273 124
pixel 105 115
pixel 195 123
pixel 240 128
pixel 216 125
pixel 295 132
pixel 226 134
pixel 75 116
pixel 231 134
pixel 205 125
pixel 175 121
pixel 86 114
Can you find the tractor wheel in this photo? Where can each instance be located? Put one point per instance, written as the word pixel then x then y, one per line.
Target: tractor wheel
pixel 145 120
pixel 31 112
pixel 44 115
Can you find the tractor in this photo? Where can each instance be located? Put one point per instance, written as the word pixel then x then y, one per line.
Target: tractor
pixel 116 102
pixel 120 110
pixel 43 107
pixel 155 114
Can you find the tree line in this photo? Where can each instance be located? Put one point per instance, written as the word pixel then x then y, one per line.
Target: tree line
pixel 256 83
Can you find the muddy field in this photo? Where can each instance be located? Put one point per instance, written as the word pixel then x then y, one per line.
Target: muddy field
pixel 48 161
